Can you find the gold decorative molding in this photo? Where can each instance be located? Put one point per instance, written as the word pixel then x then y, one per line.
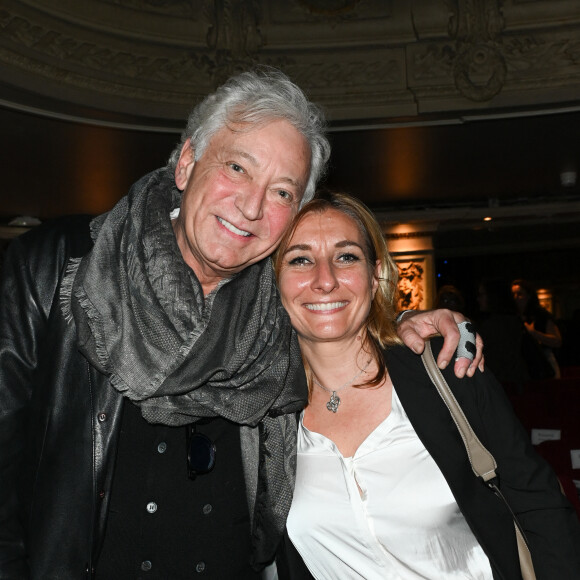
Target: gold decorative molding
pixel 361 60
pixel 48 46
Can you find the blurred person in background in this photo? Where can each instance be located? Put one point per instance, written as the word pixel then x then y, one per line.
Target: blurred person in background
pixel 539 324
pixel 502 329
pixel 450 297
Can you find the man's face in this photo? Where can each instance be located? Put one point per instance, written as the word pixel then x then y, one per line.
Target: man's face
pixel 239 197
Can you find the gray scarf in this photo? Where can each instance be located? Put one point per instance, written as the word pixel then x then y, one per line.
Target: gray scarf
pixel 142 319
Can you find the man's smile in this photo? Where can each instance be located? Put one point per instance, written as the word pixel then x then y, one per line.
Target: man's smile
pixel 232 228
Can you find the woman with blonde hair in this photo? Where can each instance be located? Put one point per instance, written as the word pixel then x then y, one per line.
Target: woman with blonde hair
pixel 384 487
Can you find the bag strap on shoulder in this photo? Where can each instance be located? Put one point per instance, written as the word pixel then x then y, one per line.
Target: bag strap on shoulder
pixel 481 460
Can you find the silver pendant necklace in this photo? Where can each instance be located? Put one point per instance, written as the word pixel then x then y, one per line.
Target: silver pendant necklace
pixel 334 401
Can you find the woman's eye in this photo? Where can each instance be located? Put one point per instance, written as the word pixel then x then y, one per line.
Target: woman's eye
pixel 348 258
pixel 286 195
pixel 299 261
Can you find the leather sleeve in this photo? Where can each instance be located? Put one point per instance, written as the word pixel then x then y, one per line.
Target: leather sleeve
pixel 31 271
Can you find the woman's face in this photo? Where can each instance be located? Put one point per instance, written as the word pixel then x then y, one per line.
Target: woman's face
pixel 325 280
pixel 520 297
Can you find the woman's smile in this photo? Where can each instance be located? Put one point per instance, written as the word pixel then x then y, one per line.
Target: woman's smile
pixel 326 306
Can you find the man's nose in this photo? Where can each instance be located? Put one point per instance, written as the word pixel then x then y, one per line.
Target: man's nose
pixel 250 202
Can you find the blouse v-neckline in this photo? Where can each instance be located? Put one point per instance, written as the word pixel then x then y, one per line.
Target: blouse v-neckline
pixel 371 441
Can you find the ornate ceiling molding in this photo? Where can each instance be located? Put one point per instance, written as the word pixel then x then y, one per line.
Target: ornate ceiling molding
pixel 363 60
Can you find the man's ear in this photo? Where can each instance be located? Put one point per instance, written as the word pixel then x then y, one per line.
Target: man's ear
pixel 184 165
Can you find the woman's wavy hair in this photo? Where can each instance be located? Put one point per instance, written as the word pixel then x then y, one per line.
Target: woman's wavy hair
pixel 379 329
pixel 255 98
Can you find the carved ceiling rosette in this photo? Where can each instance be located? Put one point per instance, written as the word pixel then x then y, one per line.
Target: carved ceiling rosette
pixel 233 36
pixel 479 68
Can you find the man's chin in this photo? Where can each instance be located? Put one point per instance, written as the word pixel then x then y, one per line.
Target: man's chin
pixel 229 268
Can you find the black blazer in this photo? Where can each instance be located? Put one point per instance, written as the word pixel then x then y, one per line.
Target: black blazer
pixel 528 483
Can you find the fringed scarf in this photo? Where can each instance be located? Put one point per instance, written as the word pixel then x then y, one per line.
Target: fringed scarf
pixel 142 319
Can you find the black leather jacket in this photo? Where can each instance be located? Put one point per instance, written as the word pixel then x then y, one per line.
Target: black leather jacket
pixel 58 417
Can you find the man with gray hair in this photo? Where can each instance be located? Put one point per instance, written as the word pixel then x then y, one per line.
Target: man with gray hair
pixel 149 375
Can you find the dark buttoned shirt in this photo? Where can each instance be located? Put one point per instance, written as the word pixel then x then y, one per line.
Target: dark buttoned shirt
pixel 162 525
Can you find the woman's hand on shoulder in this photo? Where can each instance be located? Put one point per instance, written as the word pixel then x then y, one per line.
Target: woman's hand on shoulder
pixel 417 325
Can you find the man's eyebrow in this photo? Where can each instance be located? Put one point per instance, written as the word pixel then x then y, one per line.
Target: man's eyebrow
pixel 245 155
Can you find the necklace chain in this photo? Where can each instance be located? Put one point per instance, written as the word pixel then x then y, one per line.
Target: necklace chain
pixel 334 401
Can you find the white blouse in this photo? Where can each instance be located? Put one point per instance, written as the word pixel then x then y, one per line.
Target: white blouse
pixel 406 524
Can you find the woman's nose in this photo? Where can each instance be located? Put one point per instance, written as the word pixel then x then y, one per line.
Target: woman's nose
pixel 325 278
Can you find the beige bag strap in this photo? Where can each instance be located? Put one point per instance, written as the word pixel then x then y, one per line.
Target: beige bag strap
pixel 482 461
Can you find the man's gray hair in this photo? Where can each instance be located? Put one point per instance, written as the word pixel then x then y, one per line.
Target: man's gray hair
pixel 257 97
